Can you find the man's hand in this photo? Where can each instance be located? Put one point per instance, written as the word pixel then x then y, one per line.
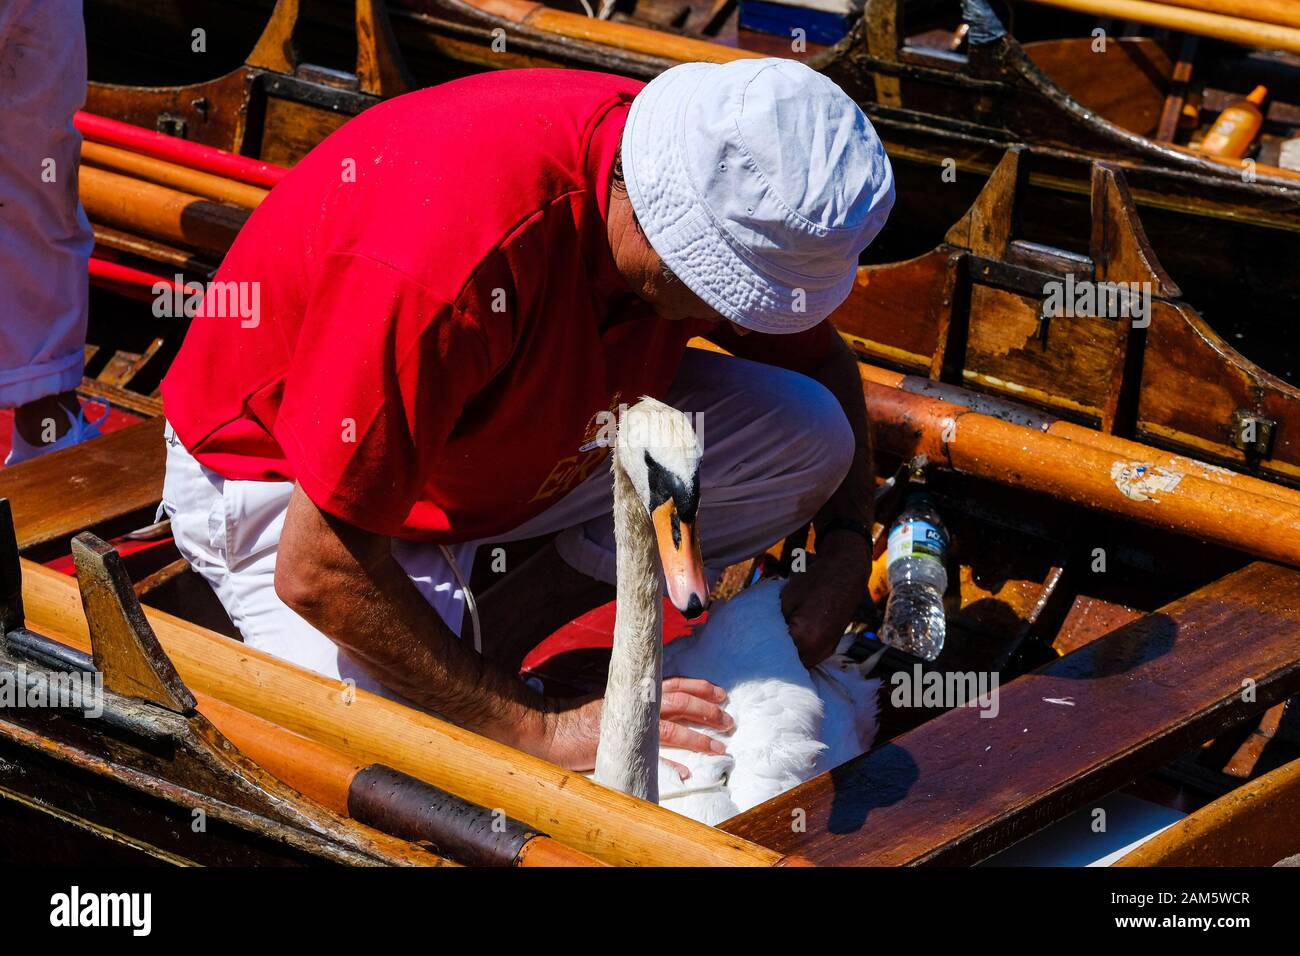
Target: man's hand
pixel 819 603
pixel 575 725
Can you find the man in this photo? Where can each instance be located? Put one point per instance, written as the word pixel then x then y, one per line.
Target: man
pixel 454 287
pixel 45 238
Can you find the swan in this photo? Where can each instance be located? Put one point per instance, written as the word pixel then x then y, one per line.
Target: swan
pixel 791 723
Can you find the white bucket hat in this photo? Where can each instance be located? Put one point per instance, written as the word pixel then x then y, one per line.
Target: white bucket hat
pixel 758 182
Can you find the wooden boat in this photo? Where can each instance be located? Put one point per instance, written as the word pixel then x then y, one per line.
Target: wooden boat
pixel 904 61
pixel 1030 490
pixel 1148 654
pixel 1135 667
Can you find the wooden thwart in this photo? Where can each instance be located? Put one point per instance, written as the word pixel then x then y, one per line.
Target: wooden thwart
pixel 962 787
pixel 87 485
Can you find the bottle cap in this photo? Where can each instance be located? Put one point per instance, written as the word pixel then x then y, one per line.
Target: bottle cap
pixel 1257 95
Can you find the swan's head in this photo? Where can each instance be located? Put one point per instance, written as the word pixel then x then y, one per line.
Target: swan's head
pixel 660 453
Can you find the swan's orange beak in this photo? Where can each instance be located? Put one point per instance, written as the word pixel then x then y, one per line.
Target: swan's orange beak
pixel 679 552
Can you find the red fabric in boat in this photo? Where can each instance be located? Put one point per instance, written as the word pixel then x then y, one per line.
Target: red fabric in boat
pixel 126 547
pixel 595 631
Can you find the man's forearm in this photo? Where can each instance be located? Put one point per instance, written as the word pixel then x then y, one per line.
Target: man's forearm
pixel 346 583
pixel 854 499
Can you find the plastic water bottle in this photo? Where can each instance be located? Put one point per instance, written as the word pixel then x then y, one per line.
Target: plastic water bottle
pixel 917 550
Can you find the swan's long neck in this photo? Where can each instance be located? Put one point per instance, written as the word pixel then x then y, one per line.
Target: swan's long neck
pixel 627 757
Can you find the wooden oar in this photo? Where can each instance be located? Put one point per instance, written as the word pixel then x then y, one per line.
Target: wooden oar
pixel 128 281
pixel 388 799
pixel 1283 12
pixel 207 185
pixel 138 206
pixel 613 827
pixel 1268 36
pixel 1185 502
pixel 1056 458
pixel 220 162
pixel 1289 498
pixel 377 796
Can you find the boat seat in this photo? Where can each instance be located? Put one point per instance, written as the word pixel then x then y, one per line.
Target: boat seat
pixel 961 787
pixel 111 483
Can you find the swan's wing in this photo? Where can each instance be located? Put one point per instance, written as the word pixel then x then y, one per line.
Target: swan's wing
pixel 703 795
pixel 778 737
pixel 790 724
pixel 852 705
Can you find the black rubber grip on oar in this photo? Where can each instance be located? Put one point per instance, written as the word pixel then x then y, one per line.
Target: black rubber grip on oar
pixel 398 803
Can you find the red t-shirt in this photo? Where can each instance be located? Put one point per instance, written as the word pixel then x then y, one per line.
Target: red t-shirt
pixel 440 318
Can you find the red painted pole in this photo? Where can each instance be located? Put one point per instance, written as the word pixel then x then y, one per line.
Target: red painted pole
pixel 101 129
pixel 134 283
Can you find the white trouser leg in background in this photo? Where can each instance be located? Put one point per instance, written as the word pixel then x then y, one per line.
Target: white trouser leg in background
pixel 45 238
pixel 776 446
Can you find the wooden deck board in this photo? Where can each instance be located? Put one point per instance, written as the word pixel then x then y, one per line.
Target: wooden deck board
pixel 86 485
pixel 961 787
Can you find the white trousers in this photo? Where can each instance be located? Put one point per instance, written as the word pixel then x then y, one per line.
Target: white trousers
pixel 45 238
pixel 776 446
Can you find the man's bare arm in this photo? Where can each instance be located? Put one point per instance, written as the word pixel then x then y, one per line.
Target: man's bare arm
pixel 345 582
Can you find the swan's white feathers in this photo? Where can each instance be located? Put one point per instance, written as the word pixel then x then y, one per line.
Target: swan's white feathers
pixel 790 724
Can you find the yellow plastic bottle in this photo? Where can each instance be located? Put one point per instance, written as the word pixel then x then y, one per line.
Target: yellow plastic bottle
pixel 1236 127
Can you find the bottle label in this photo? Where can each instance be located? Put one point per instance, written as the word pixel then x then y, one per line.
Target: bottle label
pixel 1216 142
pixel 916 539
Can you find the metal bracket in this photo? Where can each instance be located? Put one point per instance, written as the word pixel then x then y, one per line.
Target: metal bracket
pixel 1253 433
pixel 169 124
